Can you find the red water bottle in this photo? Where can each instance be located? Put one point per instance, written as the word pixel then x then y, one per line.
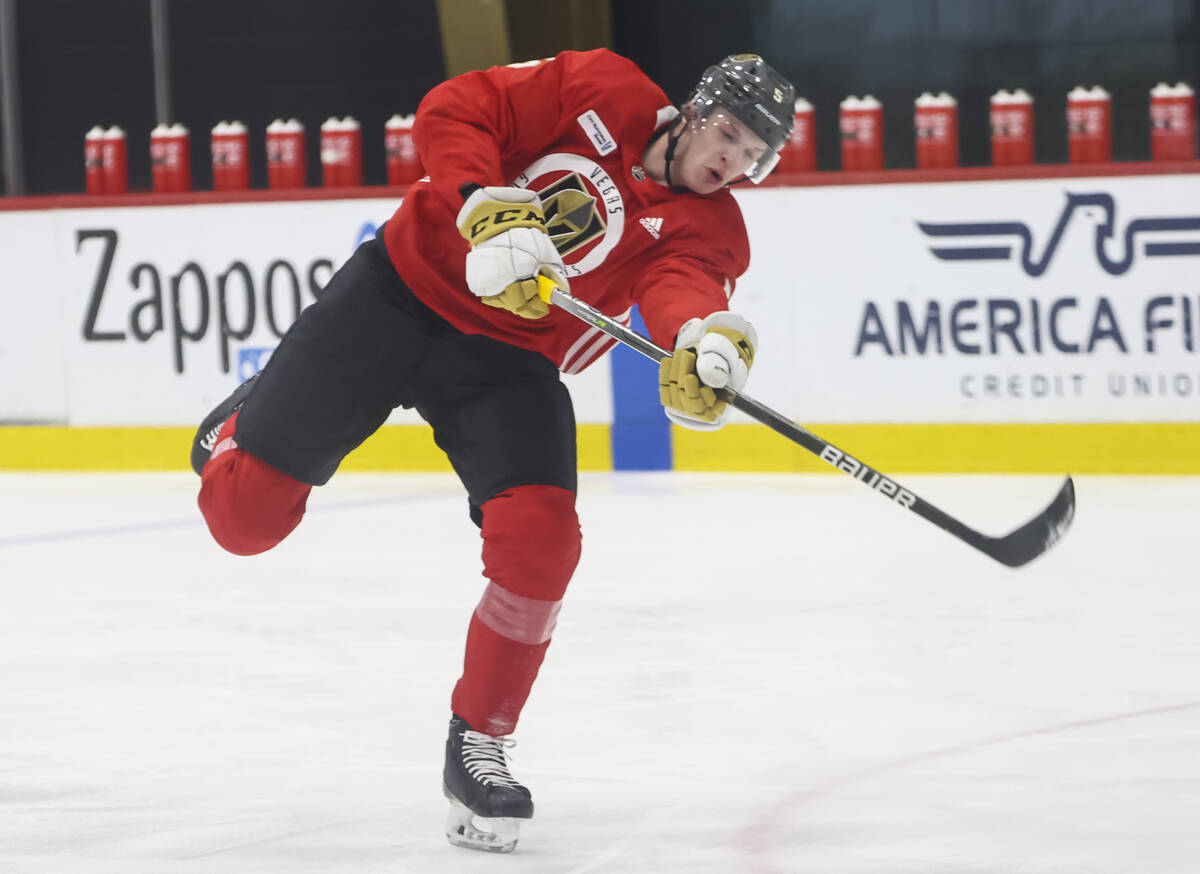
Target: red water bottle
pixel 403 163
pixel 341 152
pixel 231 156
pixel 170 158
pixel 1089 125
pixel 220 175
pixel 352 131
pixel 333 156
pixel 158 158
pixel 862 133
pixel 114 162
pixel 286 166
pixel 849 112
pixel 800 154
pixel 275 154
pixel 1172 122
pixel 171 165
pixel 93 160
pixel 935 118
pixel 1012 128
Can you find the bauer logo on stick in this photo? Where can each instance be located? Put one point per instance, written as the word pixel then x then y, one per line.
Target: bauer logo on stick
pixel 880 483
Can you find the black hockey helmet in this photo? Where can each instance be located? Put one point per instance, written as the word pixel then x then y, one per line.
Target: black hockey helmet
pixel 756 95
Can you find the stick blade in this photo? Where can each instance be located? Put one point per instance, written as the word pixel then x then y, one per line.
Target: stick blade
pixel 1026 543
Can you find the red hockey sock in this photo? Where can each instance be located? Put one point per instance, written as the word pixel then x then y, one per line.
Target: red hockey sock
pixel 249 506
pixel 531 544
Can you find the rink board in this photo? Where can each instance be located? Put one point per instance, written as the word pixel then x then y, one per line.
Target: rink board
pixel 1168 448
pixel 997 325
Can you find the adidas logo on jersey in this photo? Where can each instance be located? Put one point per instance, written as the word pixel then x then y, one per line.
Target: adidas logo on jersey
pixel 653 225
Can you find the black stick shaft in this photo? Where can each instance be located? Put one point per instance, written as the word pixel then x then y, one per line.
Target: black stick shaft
pixel 1014 549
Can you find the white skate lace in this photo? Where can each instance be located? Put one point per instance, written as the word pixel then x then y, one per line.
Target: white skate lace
pixel 485 758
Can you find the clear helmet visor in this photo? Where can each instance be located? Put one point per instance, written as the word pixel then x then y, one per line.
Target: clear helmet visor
pixel 724 136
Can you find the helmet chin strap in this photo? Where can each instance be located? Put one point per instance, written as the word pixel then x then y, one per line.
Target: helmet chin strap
pixel 672 141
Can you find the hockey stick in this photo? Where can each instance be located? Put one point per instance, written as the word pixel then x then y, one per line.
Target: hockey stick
pixel 1014 549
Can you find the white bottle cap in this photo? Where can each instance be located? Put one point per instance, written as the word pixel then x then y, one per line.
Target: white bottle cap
pixel 937 101
pixel 221 128
pixel 1001 98
pixel 96 133
pixel 331 125
pixel 236 127
pixel 350 123
pixel 1079 93
pixel 803 105
pixel 869 102
pixel 1182 89
pixel 1021 96
pixel 114 133
pixel 160 130
pixel 400 122
pixel 850 102
pixel 1098 93
pixel 294 126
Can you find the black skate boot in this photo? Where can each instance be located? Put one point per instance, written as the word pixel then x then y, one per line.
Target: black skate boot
pixel 206 435
pixel 486 803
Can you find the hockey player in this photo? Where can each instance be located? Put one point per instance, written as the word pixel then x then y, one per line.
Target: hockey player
pixel 576 168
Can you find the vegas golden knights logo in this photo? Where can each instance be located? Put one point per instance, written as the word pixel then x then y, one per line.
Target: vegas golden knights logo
pixel 572 219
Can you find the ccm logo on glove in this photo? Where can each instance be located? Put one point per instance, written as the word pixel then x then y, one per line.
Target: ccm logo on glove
pixel 502 220
pixel 710 354
pixel 506 228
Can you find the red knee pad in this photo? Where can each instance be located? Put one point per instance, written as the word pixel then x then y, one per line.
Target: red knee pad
pixel 249 506
pixel 531 540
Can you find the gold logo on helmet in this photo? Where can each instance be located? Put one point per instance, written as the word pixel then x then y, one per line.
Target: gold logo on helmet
pixel 572 219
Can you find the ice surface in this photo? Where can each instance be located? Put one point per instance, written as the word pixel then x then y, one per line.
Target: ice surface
pixel 832 686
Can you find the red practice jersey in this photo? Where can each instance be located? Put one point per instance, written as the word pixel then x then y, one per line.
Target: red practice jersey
pixel 572 128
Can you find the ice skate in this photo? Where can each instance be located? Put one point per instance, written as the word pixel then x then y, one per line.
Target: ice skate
pixel 487 805
pixel 206 435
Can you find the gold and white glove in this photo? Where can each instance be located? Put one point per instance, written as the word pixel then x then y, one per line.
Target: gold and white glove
pixel 509 249
pixel 710 353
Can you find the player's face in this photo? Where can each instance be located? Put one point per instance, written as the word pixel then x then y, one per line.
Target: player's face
pixel 718 150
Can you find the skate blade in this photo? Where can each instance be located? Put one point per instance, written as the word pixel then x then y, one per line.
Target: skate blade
pixel 491 834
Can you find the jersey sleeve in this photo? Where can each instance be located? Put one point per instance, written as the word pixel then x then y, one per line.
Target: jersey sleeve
pixel 466 125
pixel 696 273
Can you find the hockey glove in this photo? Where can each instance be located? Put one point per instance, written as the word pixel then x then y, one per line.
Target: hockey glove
pixel 509 248
pixel 710 353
